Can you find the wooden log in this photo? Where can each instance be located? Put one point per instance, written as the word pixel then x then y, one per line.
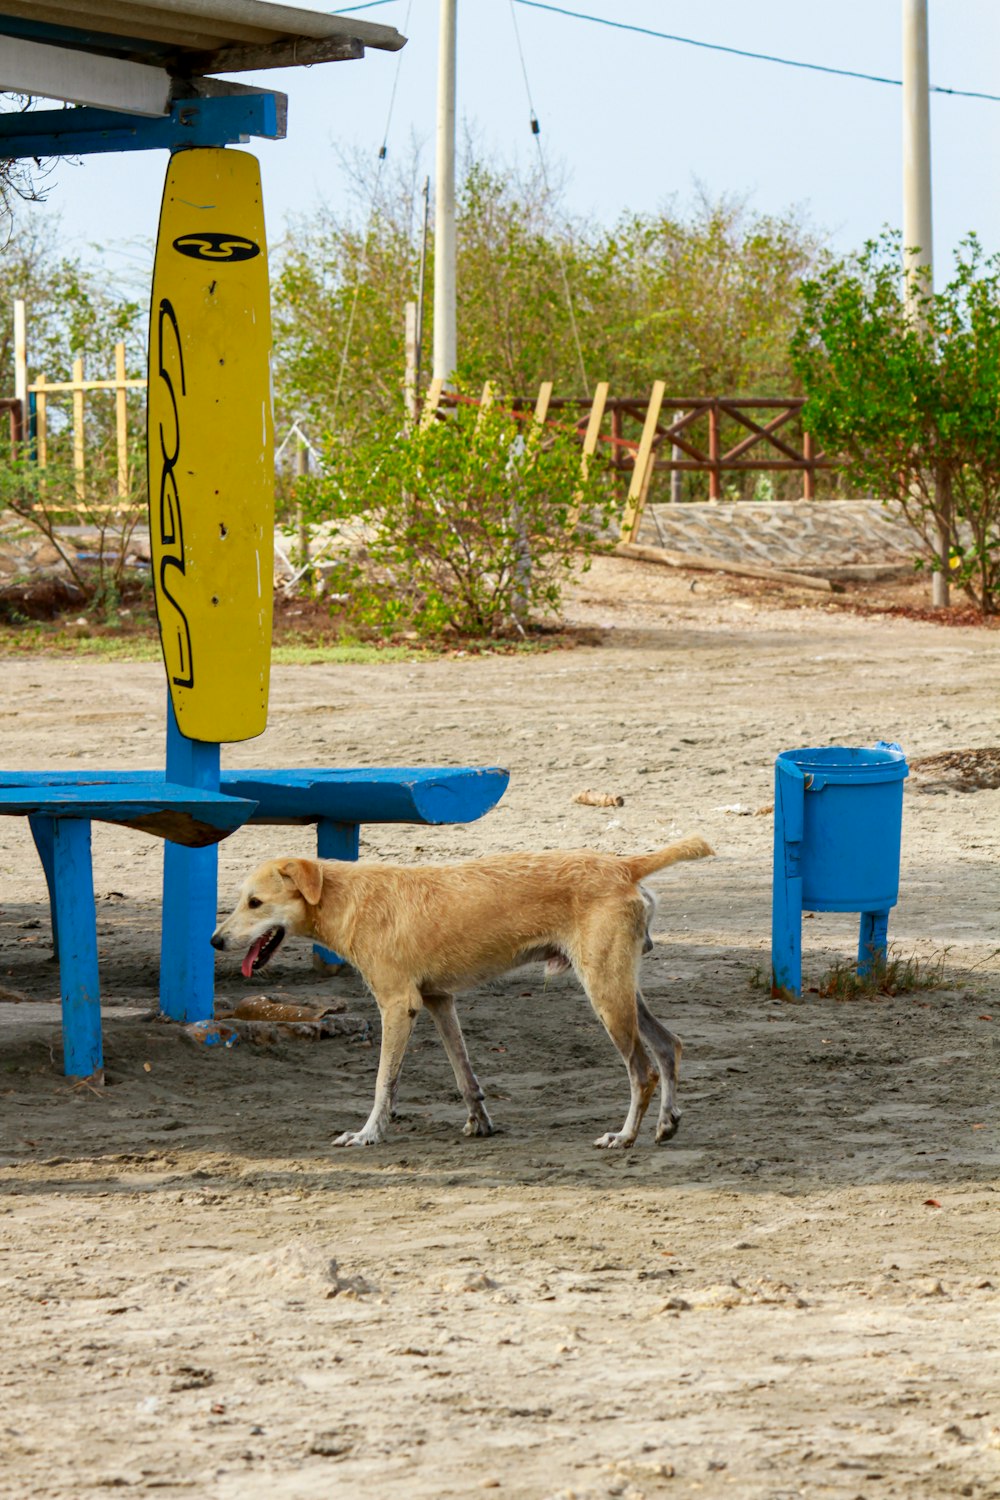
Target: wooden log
pixel 706 563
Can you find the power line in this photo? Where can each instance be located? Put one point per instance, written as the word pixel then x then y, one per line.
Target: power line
pixel 787 62
pixel 536 132
pixel 376 185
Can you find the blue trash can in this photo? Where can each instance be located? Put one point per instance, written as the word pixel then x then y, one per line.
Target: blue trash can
pixel 838 814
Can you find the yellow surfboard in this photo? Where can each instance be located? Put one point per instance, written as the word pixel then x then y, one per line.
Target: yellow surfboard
pixel 211 444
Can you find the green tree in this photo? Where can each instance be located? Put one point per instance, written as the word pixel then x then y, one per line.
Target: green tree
pixel 705 299
pixel 910 396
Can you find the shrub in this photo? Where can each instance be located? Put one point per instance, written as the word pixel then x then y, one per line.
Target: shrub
pixel 472 522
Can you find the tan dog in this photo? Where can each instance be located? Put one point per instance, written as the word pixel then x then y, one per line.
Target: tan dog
pixel 418 933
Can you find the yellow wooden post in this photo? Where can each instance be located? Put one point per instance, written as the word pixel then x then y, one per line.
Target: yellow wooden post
pixel 431 402
pixel 485 401
pixel 121 421
pixel 41 422
pixel 542 403
pixel 591 436
pixel 590 440
pixel 639 484
pixel 78 438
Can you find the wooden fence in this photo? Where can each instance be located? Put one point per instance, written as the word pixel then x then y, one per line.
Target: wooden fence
pixel 673 434
pixel 78 388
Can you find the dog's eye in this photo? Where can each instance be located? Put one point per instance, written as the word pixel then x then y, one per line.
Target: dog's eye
pixel 255 901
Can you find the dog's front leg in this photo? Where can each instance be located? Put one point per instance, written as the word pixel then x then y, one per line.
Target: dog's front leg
pixel 398 1011
pixel 445 1018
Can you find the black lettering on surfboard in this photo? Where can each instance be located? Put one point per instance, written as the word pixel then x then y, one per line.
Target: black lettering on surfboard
pixel 170 370
pixel 204 244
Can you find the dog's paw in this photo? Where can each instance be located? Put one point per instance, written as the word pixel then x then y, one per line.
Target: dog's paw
pixel 668 1128
pixel 357 1138
pixel 614 1140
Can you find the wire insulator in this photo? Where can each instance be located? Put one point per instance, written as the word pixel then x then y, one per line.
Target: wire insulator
pixel 535 127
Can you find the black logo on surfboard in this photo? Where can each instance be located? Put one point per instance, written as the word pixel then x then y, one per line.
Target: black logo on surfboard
pixel 205 245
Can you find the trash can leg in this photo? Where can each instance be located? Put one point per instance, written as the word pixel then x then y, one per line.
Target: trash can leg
pixel 786 893
pixel 872 942
pixel 786 937
pixel 334 841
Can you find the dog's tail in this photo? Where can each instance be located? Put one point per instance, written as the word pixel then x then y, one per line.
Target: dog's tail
pixel 640 865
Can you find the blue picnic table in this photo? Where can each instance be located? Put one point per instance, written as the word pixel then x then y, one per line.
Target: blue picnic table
pixel 61 806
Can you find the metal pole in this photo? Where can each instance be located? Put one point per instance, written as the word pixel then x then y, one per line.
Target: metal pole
pixel 21 358
pixel 445 323
pixel 410 401
pixel 420 287
pixel 917 230
pixel 918 238
pixel 301 470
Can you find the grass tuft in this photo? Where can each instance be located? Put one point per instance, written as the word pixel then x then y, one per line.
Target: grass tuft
pixel 896 975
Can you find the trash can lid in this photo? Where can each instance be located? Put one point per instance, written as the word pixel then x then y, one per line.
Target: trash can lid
pixel 841 764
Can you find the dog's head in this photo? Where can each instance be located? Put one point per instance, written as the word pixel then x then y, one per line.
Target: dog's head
pixel 274 901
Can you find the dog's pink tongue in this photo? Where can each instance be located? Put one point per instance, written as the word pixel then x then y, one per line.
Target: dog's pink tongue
pixel 251 958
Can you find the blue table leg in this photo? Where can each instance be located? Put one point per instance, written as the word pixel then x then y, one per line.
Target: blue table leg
pixel 786 893
pixel 44 837
pixel 78 978
pixel 872 942
pixel 334 841
pixel 190 885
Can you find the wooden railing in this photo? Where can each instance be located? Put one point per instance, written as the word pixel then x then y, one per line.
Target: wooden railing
pixel 684 434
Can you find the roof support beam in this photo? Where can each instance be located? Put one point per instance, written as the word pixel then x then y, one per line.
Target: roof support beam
pixel 221 121
pixel 83 77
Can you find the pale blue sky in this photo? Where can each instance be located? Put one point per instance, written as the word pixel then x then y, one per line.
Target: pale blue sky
pixel 629 121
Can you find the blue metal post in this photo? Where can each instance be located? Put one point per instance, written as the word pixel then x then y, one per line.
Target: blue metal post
pixel 78 978
pixel 190 883
pixel 334 841
pixel 786 894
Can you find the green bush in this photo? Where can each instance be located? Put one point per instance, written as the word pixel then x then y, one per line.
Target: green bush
pixel 472 523
pixel 909 396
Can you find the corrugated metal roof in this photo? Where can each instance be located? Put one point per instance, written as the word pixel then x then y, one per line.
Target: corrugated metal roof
pixel 196 36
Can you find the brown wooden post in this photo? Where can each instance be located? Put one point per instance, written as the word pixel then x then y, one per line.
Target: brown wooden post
pixel 809 477
pixel 713 452
pixel 616 434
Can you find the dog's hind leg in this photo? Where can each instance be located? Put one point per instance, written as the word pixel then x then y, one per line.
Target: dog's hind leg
pixel 666 1048
pixel 606 961
pixel 445 1018
pixel 615 1005
pixel 399 1011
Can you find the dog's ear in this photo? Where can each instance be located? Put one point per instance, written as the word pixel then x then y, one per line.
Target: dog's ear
pixel 307 877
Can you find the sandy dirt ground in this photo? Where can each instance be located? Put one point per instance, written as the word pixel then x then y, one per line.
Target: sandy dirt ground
pixel 797 1297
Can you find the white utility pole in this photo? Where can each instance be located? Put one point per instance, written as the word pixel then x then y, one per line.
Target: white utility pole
pixel 445 321
pixel 918 236
pixel 917 230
